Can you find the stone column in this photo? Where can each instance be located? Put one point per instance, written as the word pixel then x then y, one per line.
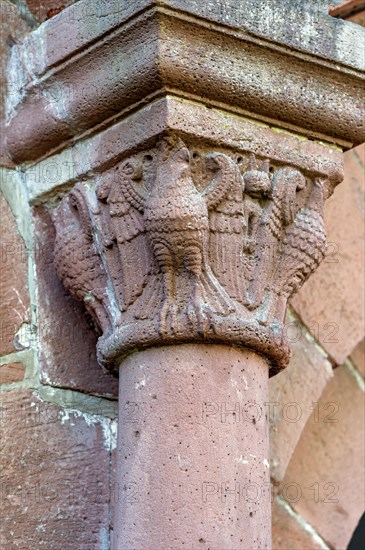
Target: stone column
pixel 185 257
pixel 193 467
pixel 204 138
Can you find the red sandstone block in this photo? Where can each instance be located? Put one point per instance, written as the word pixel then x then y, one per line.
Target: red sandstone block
pixel 292 396
pixel 360 149
pixel 13 28
pixel 45 9
pixel 13 372
pixel 287 533
pixel 331 303
pixel 14 299
pixel 54 478
pixel 358 18
pixel 324 481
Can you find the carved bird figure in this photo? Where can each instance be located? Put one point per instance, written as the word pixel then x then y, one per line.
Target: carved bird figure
pixel 170 223
pixel 279 213
pixel 257 180
pixel 302 248
pixel 76 258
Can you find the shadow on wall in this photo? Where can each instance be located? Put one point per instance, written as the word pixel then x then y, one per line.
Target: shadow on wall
pixel 358 538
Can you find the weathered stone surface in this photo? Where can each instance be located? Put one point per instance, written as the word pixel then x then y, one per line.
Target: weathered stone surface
pixel 358 357
pixel 193 469
pixel 14 297
pixel 12 372
pixel 360 152
pixel 292 396
pixel 45 9
pixel 258 79
pixel 350 10
pixel 325 478
pixel 288 533
pixel 13 28
pixel 280 21
pixel 336 113
pixel 67 339
pixel 332 303
pixel 54 477
pixel 180 244
pixel 191 121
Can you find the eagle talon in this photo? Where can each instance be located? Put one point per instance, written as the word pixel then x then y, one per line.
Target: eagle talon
pixel 163 321
pixel 201 318
pixel 209 319
pixel 168 323
pixel 192 316
pixel 174 327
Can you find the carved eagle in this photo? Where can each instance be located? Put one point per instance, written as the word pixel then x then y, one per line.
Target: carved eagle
pixel 302 248
pixel 76 258
pixel 171 249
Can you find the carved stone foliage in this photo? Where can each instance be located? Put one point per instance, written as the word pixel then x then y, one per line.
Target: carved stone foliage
pixel 179 245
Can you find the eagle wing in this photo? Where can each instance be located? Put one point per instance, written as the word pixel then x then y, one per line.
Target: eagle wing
pixel 302 250
pixel 76 258
pixel 224 197
pixel 303 245
pixel 123 233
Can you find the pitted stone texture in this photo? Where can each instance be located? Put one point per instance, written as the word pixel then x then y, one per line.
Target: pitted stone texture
pixel 14 297
pixel 331 304
pixel 12 372
pixel 325 478
pixel 292 395
pixel 259 79
pixel 181 243
pixel 193 467
pixel 54 477
pixel 193 122
pixel 67 338
pixel 288 534
pixel 13 28
pixel 45 9
pixel 316 36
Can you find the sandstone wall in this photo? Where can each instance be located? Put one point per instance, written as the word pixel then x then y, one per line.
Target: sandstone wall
pixel 58 410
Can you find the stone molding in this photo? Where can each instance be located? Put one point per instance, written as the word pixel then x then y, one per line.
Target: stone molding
pixel 193 121
pixel 182 244
pixel 90 60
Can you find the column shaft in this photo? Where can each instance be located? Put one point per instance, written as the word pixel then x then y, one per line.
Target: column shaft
pixel 192 459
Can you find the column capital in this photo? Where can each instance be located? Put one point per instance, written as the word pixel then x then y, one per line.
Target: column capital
pixel 200 143
pixel 181 243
